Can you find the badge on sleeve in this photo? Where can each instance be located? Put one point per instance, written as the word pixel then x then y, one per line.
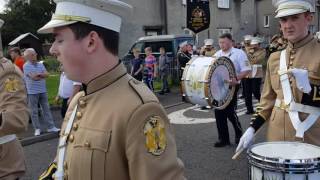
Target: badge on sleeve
pixel 11 85
pixel 154 131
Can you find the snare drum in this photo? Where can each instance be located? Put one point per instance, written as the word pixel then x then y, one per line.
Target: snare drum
pixel 284 161
pixel 205 81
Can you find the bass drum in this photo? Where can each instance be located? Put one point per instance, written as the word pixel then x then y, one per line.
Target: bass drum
pixel 205 81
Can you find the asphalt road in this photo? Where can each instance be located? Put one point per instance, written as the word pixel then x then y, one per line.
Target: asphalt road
pixel 196 134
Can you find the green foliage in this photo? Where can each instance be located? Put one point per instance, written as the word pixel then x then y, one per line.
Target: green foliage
pixel 52 86
pixel 21 17
pixel 51 64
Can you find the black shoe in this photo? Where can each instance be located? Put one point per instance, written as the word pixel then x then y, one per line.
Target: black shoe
pixel 161 93
pixel 203 108
pixel 221 144
pixel 250 112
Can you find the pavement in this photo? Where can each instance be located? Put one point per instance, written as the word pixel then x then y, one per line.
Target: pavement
pixel 195 132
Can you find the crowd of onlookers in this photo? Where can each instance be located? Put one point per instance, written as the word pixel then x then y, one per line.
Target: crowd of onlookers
pixel 35 74
pixel 150 67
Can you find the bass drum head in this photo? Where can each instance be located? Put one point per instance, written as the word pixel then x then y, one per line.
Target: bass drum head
pixel 221 92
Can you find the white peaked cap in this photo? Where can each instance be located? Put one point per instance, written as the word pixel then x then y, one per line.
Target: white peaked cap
pixel 102 13
pixel 255 40
pixel 292 7
pixel 208 42
pixel 247 37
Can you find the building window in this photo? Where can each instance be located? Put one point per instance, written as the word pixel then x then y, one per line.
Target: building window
pixel 152 30
pixel 223 4
pixel 223 31
pixel 266 22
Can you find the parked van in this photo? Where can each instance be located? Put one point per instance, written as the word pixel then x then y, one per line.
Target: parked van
pixel 169 42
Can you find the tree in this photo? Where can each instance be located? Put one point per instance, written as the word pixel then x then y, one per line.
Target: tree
pixel 21 17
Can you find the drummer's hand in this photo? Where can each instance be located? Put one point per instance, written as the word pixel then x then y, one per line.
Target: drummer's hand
pixel 233 82
pixel 246 139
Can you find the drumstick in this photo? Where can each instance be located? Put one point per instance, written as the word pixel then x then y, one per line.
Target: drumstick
pixel 237 154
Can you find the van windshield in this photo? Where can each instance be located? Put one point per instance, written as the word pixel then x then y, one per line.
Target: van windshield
pixel 168 46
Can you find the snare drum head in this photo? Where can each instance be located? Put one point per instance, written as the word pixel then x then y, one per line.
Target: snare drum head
pixel 286 150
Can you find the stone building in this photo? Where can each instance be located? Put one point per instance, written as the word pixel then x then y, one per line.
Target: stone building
pixel 239 17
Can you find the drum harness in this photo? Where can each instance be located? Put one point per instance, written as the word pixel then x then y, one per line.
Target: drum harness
pixel 59 174
pixel 289 105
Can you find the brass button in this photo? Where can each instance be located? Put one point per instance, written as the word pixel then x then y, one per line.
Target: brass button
pixel 291 57
pixel 75 126
pixel 292 51
pixel 87 144
pixel 82 103
pixel 71 138
pixel 79 115
pixel 65 165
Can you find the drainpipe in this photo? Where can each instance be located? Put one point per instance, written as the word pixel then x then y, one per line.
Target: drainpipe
pixel 164 15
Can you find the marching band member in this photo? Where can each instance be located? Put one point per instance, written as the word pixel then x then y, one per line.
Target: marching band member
pixel 115 128
pixel 242 66
pixel 290 99
pixel 252 83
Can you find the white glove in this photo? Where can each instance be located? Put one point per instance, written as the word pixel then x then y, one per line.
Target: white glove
pixel 302 79
pixel 246 139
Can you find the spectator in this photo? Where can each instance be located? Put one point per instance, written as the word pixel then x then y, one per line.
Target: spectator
pixel 67 89
pixel 137 65
pixel 149 68
pixel 16 57
pixel 34 75
pixel 164 71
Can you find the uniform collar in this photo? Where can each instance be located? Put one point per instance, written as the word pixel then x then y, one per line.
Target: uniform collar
pixel 105 79
pixel 301 43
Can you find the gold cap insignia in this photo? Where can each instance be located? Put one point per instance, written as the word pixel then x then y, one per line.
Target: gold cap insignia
pixel 154 130
pixel 11 85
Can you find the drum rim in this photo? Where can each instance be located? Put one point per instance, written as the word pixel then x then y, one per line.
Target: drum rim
pixel 183 86
pixel 311 165
pixel 233 88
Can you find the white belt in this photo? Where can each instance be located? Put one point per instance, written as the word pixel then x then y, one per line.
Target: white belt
pixel 292 107
pixel 297 107
pixel 7 138
pixel 59 174
pixel 255 69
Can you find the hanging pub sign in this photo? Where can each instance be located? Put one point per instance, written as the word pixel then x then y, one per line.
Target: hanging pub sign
pixel 198 15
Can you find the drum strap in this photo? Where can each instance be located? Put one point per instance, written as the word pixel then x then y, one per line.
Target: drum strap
pixel 291 106
pixel 59 175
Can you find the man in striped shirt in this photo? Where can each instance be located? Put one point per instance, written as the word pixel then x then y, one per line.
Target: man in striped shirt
pixel 34 75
